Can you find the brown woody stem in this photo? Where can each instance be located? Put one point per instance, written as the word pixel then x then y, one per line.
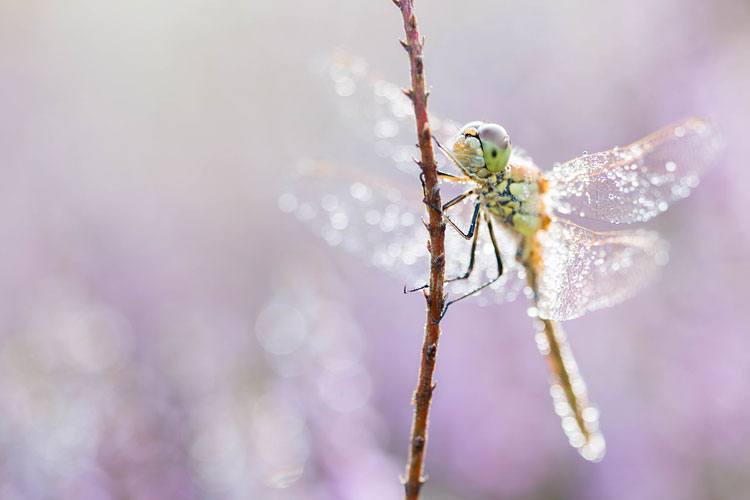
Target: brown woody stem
pixel 418 94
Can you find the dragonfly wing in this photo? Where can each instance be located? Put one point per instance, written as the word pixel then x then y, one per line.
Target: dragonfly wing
pixel 585 270
pixel 377 110
pixel 639 181
pixel 375 219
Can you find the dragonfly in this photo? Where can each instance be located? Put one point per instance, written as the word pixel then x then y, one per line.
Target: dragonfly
pixel 530 247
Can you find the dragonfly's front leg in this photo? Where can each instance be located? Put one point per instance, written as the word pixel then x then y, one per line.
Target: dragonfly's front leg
pixel 452 178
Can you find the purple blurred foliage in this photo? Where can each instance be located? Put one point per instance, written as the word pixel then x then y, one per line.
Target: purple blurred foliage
pixel 166 332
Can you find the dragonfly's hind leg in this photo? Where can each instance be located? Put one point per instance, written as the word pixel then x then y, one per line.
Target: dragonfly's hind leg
pixel 498 258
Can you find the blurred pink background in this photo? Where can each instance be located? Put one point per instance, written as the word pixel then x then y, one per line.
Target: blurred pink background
pixel 167 333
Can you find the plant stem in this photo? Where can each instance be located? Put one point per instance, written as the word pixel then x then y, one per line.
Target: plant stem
pixel 418 94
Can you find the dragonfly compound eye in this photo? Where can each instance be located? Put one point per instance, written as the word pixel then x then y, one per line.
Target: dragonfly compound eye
pixel 495 146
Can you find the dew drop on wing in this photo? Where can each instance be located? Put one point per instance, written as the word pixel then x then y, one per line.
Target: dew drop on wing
pixel 660 168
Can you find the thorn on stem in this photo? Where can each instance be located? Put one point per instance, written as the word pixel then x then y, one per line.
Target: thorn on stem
pixel 408 93
pixel 405 45
pixel 397 3
pixel 412 21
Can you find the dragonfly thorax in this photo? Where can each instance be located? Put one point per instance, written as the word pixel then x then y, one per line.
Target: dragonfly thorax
pixel 516 201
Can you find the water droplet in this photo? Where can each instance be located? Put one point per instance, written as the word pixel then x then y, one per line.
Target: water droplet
pixel 345 87
pixel 386 128
pixel 590 414
pixel 287 202
pixel 691 181
pixel 329 203
pixel 339 220
pixel 569 424
pixel 360 192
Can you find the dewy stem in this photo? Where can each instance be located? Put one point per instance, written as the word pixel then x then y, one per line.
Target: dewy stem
pixel 414 45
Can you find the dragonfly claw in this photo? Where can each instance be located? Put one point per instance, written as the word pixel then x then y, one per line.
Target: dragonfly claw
pixel 412 290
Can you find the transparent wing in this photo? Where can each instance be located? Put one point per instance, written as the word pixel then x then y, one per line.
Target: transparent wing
pixel 639 181
pixel 585 270
pixel 377 111
pixel 373 218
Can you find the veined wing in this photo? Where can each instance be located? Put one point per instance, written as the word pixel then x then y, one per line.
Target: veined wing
pixel 374 218
pixel 377 110
pixel 639 181
pixel 585 270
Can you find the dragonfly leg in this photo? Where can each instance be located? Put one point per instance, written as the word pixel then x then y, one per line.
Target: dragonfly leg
pixel 471 260
pixel 448 153
pixel 473 233
pixel 499 259
pixel 450 203
pixel 452 178
pixel 470 234
pixel 472 228
pixel 498 256
pixel 457 199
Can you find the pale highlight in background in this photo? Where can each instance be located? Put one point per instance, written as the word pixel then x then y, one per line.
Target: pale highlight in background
pixel 167 332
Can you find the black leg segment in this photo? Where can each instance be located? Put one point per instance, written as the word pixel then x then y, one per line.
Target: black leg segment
pixel 499 259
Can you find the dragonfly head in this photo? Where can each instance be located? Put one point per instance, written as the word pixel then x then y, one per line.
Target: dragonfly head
pixel 483 145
